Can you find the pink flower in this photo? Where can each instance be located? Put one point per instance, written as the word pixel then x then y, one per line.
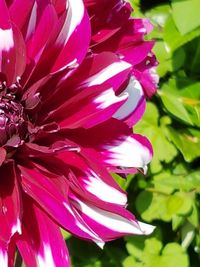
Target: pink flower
pixel 114 30
pixel 67 105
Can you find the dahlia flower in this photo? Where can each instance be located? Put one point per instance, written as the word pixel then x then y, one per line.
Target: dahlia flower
pixel 73 79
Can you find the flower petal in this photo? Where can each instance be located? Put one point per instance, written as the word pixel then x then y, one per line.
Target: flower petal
pixel 91 182
pixel 51 194
pixel 128 151
pixel 12 47
pixel 77 35
pixel 19 12
pixel 38 40
pixel 3 256
pixel 41 240
pixel 107 224
pixel 88 108
pixel 120 148
pixel 105 68
pixel 133 109
pixel 10 215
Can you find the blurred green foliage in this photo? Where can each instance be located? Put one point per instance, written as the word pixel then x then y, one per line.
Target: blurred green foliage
pixel 168 196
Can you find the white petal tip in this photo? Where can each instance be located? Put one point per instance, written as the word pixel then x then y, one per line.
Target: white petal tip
pixel 146 229
pixel 100 244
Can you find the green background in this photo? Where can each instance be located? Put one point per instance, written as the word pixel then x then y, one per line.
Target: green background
pixel 168 196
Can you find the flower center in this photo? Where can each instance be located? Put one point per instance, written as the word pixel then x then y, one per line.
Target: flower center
pixel 13 126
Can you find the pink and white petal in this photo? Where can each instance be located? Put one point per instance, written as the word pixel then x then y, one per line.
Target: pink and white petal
pixel 133 109
pixel 101 190
pixel 128 151
pixel 104 68
pixel 112 73
pixel 52 195
pixel 36 43
pixel 88 108
pixel 77 35
pixel 90 182
pixel 7 40
pixel 3 256
pixel 119 148
pixel 100 68
pixel 7 254
pixel 42 241
pixel 10 215
pixel 149 80
pixel 12 47
pixel 107 224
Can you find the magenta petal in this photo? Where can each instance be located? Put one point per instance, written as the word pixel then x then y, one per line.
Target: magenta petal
pixel 19 11
pixel 77 35
pixel 4 18
pixel 120 148
pixel 91 182
pixel 7 41
pixel 88 108
pixel 41 243
pixel 107 224
pixel 38 40
pixel 10 215
pixel 51 194
pixel 74 75
pixel 12 48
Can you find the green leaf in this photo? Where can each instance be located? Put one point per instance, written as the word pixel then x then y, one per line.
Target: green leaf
pixel 157 205
pixel 175 106
pixel 135 246
pixel 123 183
pixel 168 62
pixel 179 204
pixel 187 141
pixel 159 14
pixel 182 99
pixel 130 262
pixel 152 206
pixel 153 246
pixel 173 256
pixel 186 15
pixel 177 221
pixel 154 255
pixel 194 216
pixel 181 182
pixel 173 38
pixel 65 234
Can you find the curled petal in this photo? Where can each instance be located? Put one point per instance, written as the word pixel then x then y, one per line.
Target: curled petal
pixel 133 109
pixel 128 151
pixel 110 225
pixel 120 148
